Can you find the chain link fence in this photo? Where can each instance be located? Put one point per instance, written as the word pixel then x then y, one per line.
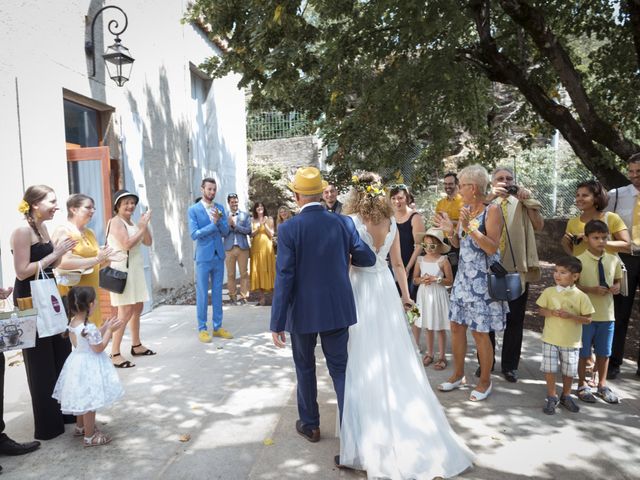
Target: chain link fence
pixel 552 175
pixel 273 125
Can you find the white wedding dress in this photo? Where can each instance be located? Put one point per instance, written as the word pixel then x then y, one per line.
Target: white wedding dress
pixel 393 425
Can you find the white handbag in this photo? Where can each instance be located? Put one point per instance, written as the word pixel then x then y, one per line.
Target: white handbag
pixel 52 317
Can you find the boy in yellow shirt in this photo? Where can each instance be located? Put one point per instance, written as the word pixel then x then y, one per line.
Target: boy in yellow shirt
pixel 600 279
pixel 565 309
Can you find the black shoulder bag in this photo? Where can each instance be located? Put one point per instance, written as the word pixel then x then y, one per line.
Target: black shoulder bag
pixel 110 278
pixel 503 285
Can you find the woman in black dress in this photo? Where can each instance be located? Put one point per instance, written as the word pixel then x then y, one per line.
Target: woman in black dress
pixel 409 223
pixel 31 244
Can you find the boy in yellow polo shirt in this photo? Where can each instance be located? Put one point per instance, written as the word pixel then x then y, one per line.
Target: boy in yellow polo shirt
pixel 600 279
pixel 565 309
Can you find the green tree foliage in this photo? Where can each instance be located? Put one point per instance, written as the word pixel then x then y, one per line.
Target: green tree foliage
pixel 378 76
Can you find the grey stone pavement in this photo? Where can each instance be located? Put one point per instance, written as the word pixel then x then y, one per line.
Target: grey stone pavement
pixel 235 400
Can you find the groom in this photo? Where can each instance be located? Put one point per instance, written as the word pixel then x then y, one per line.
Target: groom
pixel 313 295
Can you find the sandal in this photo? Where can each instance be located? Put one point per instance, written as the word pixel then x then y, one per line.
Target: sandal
pixel 584 394
pixel 441 364
pixel 79 431
pixel 146 353
pixel 96 440
pixel 125 364
pixel 427 360
pixel 606 394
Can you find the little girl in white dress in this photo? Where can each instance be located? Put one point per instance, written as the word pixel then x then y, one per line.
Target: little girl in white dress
pixel 88 380
pixel 433 274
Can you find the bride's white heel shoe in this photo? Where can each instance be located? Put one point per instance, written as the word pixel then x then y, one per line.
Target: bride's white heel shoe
pixel 477 396
pixel 448 386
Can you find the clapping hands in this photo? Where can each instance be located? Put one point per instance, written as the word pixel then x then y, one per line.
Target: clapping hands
pixel 442 221
pixel 64 245
pixel 112 324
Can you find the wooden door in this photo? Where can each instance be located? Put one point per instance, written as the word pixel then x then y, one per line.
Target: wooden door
pixel 89 171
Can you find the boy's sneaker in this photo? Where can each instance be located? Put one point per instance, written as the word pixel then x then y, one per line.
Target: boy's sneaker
pixel 567 402
pixel 550 405
pixel 607 395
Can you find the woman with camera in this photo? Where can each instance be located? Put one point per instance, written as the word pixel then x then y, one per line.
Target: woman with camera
pixel 591 200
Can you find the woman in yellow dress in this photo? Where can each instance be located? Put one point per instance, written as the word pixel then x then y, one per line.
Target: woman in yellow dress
pixel 263 259
pixel 85 258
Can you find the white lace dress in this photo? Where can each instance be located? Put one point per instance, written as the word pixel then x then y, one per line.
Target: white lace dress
pixel 432 300
pixel 393 425
pixel 88 381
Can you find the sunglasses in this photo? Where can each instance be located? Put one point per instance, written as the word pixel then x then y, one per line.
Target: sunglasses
pixel 430 246
pixel 232 195
pixel 398 186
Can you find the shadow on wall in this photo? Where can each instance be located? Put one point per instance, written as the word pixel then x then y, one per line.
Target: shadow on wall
pixel 166 162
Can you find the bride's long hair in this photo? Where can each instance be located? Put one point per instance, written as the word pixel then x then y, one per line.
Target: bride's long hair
pixel 368 199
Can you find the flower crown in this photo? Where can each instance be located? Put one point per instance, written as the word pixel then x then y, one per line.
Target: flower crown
pixel 24 207
pixel 371 189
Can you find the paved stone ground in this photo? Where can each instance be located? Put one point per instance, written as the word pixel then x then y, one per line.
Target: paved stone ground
pixel 236 401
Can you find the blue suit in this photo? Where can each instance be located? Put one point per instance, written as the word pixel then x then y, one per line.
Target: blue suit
pixel 209 257
pixel 313 295
pixel 240 233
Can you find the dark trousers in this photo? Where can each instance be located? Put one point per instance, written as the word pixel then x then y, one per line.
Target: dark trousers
pixel 43 364
pixel 623 307
pixel 512 337
pixel 334 347
pixel 2 367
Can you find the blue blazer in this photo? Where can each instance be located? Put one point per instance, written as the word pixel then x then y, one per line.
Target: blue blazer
pixel 312 291
pixel 206 234
pixel 241 232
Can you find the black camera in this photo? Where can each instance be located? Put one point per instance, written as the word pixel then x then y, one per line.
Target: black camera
pixel 575 239
pixel 512 189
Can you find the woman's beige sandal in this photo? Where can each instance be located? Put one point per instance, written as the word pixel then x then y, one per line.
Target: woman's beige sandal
pixel 96 440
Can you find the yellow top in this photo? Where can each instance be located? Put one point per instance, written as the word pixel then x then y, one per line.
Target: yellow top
pixel 450 207
pixel 603 304
pixel 575 226
pixel 87 247
pixel 564 332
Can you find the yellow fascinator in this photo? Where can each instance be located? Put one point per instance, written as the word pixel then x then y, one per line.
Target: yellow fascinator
pixel 24 207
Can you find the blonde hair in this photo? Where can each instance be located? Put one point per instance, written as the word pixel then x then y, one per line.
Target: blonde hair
pixel 373 208
pixel 478 176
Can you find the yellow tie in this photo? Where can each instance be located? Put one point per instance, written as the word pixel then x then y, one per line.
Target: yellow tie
pixel 503 237
pixel 635 229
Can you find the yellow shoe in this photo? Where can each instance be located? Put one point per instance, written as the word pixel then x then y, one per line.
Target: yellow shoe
pixel 204 336
pixel 221 332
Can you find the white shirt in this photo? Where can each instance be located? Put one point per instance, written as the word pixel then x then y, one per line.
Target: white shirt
pixel 627 197
pixel 309 205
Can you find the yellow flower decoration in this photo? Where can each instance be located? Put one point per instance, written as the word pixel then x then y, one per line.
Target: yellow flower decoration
pixel 24 207
pixel 355 179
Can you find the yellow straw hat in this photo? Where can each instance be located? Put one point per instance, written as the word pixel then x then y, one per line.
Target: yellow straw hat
pixel 308 181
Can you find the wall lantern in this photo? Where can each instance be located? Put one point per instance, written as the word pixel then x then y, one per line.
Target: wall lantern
pixel 117 57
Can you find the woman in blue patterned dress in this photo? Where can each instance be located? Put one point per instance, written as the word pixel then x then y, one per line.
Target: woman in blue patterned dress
pixel 478 237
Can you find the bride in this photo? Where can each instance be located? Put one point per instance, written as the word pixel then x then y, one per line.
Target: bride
pixel 393 425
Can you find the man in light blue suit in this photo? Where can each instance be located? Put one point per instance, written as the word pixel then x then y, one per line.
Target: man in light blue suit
pixel 236 247
pixel 207 225
pixel 313 295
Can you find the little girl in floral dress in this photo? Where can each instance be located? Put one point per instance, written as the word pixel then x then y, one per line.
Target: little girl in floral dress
pixel 432 273
pixel 88 380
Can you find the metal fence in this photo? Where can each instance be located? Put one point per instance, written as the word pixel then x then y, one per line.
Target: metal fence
pixel 273 125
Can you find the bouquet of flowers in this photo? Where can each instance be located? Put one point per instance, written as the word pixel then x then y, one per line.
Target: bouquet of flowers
pixel 412 314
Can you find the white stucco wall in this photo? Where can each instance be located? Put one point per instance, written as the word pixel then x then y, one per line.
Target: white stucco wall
pixel 154 116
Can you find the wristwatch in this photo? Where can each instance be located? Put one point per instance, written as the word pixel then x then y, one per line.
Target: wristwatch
pixel 439 280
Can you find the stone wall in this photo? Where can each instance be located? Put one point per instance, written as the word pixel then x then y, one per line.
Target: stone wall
pixel 287 152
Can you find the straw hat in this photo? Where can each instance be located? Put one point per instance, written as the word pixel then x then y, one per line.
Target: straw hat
pixel 308 181
pixel 436 233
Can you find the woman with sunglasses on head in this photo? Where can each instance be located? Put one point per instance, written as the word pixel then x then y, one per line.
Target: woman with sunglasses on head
pixel 591 200
pixel 86 258
pixel 409 223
